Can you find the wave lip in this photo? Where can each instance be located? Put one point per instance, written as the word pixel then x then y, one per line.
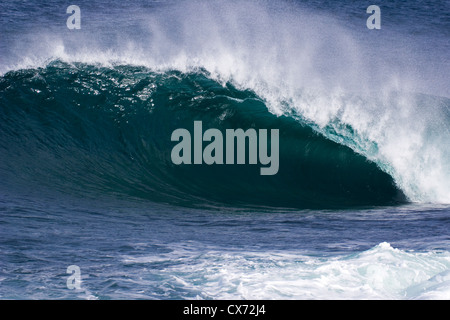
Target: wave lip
pixel 88 129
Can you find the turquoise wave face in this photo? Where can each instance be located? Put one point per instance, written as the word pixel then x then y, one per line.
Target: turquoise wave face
pixel 89 130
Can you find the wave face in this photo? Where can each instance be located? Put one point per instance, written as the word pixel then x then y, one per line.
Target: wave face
pixel 87 129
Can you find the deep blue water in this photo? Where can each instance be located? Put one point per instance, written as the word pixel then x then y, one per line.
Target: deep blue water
pixel 359 208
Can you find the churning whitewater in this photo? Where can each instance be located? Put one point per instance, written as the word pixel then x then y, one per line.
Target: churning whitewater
pixel 118 158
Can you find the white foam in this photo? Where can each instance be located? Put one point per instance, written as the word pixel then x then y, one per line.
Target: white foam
pixel 382 272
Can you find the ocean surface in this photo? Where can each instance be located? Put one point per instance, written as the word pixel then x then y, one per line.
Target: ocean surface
pixel 92 205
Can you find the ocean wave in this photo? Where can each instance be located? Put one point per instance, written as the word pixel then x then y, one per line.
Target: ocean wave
pixel 384 98
pixel 85 129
